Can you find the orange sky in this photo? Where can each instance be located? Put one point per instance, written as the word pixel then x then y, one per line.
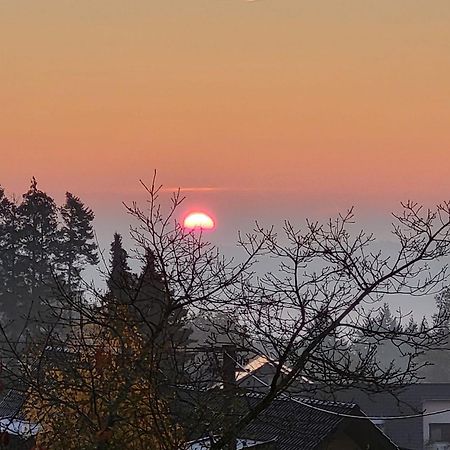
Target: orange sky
pixel 272 102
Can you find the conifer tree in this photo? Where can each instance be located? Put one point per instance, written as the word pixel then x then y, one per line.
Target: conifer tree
pixel 385 352
pixel 150 307
pixel 77 246
pixel 8 278
pixel 5 206
pixel 39 237
pixel 443 308
pixel 161 321
pixel 151 296
pixel 39 248
pixel 120 281
pixel 438 358
pixel 13 284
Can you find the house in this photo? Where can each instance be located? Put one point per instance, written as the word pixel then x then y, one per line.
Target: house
pixel 15 429
pixel 241 444
pixel 258 373
pixel 297 423
pixel 430 431
pixel 288 423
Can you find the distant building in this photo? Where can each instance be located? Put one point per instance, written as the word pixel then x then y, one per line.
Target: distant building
pixel 288 423
pixel 428 432
pixel 20 431
pixel 307 424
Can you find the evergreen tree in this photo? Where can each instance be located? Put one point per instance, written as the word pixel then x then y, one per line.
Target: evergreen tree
pixel 34 250
pixel 39 249
pixel 412 326
pixel 160 321
pixel 13 287
pixel 120 281
pixel 77 246
pixel 387 351
pixel 155 304
pixel 390 352
pixel 5 206
pixel 442 317
pixel 5 254
pixel 151 297
pixel 438 359
pixel 39 234
pixel 150 307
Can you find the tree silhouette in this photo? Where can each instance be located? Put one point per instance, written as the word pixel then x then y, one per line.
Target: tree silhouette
pixel 300 316
pixel 77 246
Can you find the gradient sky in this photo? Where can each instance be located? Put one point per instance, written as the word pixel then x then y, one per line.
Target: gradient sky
pixel 279 107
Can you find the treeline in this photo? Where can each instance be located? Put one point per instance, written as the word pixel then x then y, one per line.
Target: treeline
pixel 43 248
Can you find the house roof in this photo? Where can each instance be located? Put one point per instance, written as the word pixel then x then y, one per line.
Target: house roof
pixel 205 443
pixel 11 416
pixel 258 373
pixel 409 400
pixel 255 364
pixel 304 424
pixel 10 404
pixel 292 422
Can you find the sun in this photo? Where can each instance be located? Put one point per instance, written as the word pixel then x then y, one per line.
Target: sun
pixel 198 220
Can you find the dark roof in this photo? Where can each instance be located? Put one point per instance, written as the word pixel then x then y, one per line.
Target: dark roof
pixel 296 425
pixel 408 433
pixel 11 404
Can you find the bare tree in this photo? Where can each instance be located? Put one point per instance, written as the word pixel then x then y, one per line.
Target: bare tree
pixel 302 316
pixel 305 313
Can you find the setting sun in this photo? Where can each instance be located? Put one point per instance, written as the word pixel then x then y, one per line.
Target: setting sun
pixel 198 220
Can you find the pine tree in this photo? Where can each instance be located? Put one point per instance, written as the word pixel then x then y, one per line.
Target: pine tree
pixel 438 370
pixel 77 246
pixel 39 237
pixel 6 207
pixel 442 317
pixel 387 351
pixel 150 307
pixel 121 281
pixel 160 320
pixel 151 299
pixel 39 248
pixel 13 286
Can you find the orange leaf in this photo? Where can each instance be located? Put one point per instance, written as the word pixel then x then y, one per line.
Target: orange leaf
pixel 102 360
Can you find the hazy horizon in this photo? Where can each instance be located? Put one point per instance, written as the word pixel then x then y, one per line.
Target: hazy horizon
pixel 266 110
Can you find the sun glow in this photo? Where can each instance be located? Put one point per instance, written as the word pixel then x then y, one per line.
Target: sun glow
pixel 198 220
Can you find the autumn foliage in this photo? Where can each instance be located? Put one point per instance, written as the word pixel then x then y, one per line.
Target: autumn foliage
pixel 100 392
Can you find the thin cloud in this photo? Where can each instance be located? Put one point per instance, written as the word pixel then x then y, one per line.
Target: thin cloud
pixel 196 189
pixel 226 189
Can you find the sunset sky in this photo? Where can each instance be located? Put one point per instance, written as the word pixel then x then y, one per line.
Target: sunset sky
pixel 263 109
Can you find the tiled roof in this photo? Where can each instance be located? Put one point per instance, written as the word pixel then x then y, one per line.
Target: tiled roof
pixel 296 426
pixel 405 401
pixel 255 364
pixel 10 404
pixel 294 423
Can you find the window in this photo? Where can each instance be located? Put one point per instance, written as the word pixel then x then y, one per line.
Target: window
pixel 439 432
